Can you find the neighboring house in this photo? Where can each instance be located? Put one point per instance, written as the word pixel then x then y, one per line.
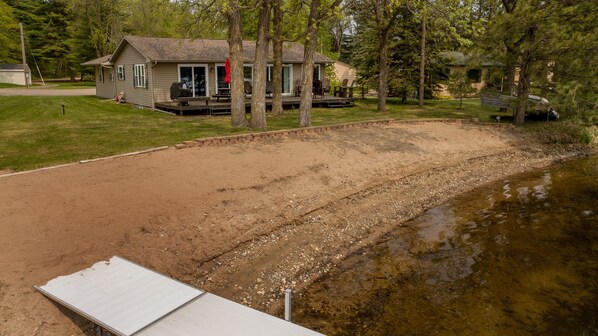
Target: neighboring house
pixel 14 74
pixel 344 71
pixel 477 71
pixel 144 68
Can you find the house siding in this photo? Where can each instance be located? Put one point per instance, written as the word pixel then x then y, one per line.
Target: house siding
pixel 104 89
pixel 344 71
pixel 138 96
pixel 296 72
pixel 164 75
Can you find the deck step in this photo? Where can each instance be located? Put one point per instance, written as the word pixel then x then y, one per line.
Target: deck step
pixel 341 105
pixel 220 111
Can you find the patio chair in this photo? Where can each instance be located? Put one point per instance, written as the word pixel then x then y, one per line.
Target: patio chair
pixel 348 91
pixel 325 86
pixel 297 88
pixel 338 90
pixel 317 88
pixel 247 87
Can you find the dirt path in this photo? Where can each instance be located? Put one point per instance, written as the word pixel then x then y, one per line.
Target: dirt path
pixel 47 91
pixel 243 221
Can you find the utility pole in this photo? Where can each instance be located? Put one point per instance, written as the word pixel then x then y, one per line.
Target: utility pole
pixel 422 65
pixel 24 57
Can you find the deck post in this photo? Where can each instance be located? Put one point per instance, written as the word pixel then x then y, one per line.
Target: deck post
pixel 287 304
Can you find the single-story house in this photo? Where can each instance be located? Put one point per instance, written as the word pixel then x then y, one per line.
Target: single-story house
pixel 477 71
pixel 14 74
pixel 144 68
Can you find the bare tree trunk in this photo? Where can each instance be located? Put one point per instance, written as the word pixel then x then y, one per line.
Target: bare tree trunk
pixel 524 80
pixel 258 92
pixel 422 65
pixel 235 43
pixel 308 65
pixel 383 69
pixel 277 41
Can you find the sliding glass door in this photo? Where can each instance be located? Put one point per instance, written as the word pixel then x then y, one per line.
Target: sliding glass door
pixel 195 78
pixel 286 77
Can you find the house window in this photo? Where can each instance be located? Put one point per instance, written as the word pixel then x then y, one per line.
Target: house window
pixel 443 74
pixel 475 75
pixel 111 74
pixel 139 75
pixel 317 72
pixel 121 72
pixel 101 74
pixel 248 73
pixel 220 78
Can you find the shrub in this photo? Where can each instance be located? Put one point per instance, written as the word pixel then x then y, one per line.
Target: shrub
pixel 566 132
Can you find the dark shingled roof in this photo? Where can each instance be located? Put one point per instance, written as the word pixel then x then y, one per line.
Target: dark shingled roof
pixel 172 50
pixel 459 58
pixel 14 67
pixel 98 61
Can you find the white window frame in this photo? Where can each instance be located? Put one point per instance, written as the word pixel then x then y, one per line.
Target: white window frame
pixel 319 71
pixel 206 69
pixel 120 72
pixel 269 69
pixel 111 74
pixel 139 76
pixel 101 74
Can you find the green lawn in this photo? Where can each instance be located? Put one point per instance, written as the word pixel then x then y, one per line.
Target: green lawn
pixel 72 85
pixel 34 133
pixel 9 86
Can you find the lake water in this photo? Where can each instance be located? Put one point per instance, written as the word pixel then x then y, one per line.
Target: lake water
pixel 518 257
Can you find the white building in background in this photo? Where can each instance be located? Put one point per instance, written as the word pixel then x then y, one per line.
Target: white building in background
pixel 14 74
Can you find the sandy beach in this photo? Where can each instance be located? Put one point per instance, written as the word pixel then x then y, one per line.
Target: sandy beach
pixel 244 220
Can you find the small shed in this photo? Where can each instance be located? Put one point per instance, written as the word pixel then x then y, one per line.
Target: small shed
pixel 14 74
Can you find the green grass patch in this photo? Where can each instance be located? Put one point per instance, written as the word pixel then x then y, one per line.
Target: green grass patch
pixel 34 133
pixel 9 86
pixel 71 85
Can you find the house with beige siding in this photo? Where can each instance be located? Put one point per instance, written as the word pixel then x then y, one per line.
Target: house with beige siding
pixel 144 68
pixel 345 71
pixel 477 71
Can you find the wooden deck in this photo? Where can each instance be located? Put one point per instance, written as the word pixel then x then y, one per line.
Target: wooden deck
pixel 215 106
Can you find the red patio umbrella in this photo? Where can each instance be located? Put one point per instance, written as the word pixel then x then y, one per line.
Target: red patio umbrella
pixel 227 70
